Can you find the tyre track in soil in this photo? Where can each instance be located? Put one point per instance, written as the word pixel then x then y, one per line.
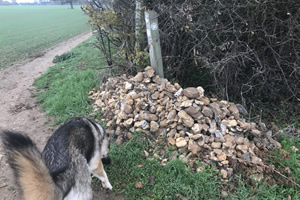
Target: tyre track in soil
pixel 20 112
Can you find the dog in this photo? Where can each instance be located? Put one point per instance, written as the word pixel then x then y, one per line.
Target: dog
pixel 63 170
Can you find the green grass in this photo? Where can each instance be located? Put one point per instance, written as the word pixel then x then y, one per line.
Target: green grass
pixel 64 87
pixel 26 31
pixel 176 181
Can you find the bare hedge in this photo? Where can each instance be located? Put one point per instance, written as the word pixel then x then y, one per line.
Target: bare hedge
pixel 244 50
pixel 247 48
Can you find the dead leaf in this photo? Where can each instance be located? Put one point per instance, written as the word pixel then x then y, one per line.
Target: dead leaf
pixel 140 166
pixel 138 185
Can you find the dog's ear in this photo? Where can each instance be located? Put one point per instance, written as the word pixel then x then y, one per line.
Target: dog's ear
pixel 106 161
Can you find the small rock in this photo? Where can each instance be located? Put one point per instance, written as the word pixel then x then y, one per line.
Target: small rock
pixel 150 72
pixel 207 112
pixel 256 132
pixel 154 126
pixel 155 95
pixel 193 147
pixel 156 79
pixel 246 156
pixel 171 141
pixel 141 124
pixel 172 115
pixel 216 145
pixel 163 123
pixel 127 109
pixel 224 173
pixel 191 92
pixel 201 91
pixel 196 129
pixel 187 103
pixel 138 77
pixel 243 148
pixel 128 122
pixel 221 157
pixel 128 86
pixel 241 109
pixel 218 134
pixel 188 121
pixel 119 140
pixel 256 160
pixel 240 140
pixel 233 109
pixel 181 142
pixel 129 100
pixel 229 172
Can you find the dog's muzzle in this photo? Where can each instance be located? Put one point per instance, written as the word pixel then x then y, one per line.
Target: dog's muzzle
pixel 106 160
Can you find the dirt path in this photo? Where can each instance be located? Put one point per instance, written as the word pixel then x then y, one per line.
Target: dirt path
pixel 19 111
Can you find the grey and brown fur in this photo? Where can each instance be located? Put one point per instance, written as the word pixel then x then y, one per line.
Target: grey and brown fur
pixel 62 171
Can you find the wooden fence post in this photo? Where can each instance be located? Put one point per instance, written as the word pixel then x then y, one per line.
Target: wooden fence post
pixel 154 42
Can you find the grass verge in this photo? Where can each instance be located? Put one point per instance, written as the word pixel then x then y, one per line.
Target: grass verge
pixel 63 88
pixel 138 177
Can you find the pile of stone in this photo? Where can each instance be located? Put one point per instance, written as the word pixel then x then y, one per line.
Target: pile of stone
pixel 185 118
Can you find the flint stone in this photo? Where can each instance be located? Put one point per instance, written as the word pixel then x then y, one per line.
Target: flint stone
pixel 128 122
pixel 129 100
pixel 181 142
pixel 239 140
pixel 256 132
pixel 155 95
pixel 128 86
pixel 170 88
pixel 224 173
pixel 241 109
pixel 156 79
pixel 172 115
pixel 216 145
pixel 127 109
pixel 221 157
pixel 171 141
pixel 187 103
pixel 196 129
pixel 246 156
pixel 163 123
pixel 150 72
pixel 233 109
pixel 207 112
pixel 191 92
pixel 138 77
pixel 201 91
pixel 154 126
pixel 242 148
pixel 196 137
pixel 187 120
pixel 193 147
pixel 141 124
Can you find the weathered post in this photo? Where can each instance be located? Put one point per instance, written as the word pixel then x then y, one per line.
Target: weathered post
pixel 154 42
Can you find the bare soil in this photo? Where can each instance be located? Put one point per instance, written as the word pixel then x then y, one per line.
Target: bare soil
pixel 20 112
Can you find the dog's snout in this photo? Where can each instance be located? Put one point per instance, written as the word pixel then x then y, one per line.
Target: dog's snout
pixel 106 160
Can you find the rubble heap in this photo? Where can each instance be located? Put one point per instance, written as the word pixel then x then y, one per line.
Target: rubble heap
pixel 185 118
